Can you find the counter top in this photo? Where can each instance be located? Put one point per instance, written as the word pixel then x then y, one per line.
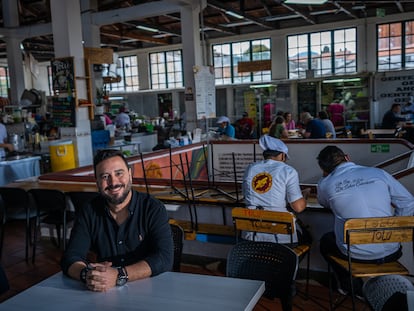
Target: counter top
pixel 18 158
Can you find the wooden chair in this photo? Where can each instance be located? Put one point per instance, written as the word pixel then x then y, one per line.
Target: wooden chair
pixel 372 231
pixel 271 222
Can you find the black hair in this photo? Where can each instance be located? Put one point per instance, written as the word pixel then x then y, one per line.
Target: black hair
pixel 330 157
pixel 323 115
pixel 104 154
pixel 270 153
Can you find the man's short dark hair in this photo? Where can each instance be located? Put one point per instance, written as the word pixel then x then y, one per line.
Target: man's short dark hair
pixel 267 154
pixel 330 157
pixel 104 154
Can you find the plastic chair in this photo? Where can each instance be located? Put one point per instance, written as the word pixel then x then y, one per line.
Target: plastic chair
pixel 275 264
pixel 378 290
pixel 18 206
pixel 271 222
pixel 178 238
pixel 52 209
pixel 372 230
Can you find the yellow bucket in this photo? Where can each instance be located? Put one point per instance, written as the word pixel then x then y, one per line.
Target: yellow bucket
pixel 62 156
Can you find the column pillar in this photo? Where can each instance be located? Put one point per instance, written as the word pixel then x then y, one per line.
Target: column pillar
pixel 192 56
pixel 14 53
pixel 67 40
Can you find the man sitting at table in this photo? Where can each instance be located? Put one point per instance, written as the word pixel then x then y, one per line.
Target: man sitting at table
pixel 128 231
pixel 268 184
pixel 355 191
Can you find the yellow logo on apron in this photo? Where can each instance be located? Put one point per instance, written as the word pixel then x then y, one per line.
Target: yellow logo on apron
pixel 262 182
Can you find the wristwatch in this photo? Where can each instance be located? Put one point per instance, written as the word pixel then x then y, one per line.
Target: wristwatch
pixel 84 274
pixel 122 276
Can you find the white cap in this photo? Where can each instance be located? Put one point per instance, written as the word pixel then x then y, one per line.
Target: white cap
pixel 267 142
pixel 223 119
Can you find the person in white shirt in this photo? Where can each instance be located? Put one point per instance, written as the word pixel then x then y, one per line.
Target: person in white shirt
pixel 270 184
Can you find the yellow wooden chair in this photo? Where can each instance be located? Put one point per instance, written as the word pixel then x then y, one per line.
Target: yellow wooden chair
pixel 272 222
pixel 369 231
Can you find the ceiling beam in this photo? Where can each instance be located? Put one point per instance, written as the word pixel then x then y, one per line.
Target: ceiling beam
pixel 218 6
pixel 132 35
pixel 305 16
pixel 141 11
pixel 341 8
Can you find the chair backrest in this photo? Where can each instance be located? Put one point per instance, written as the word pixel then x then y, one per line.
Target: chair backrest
pixel 15 197
pixel 378 290
pixel 263 221
pixel 80 199
pixel 274 263
pixel 178 239
pixel 49 199
pixel 378 230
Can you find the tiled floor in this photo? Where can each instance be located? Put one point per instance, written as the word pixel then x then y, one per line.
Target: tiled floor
pixel 22 274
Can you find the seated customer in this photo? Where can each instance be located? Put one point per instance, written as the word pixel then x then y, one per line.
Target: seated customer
pixel 329 127
pixel 355 191
pixel 314 128
pixel 128 231
pixel 226 130
pixel 392 117
pixel 270 185
pixel 278 128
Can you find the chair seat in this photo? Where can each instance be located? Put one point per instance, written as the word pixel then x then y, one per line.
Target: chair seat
pixel 301 249
pixel 20 213
pixel 372 269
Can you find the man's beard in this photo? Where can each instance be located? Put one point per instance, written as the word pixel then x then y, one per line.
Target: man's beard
pixel 115 199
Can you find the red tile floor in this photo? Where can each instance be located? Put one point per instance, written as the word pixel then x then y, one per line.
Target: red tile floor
pixel 22 274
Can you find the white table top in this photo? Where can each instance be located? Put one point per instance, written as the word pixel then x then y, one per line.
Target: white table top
pixel 167 291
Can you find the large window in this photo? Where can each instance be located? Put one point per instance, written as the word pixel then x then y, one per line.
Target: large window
pixel 227 57
pixel 395 46
pixel 127 70
pixel 166 70
pixel 322 53
pixel 4 81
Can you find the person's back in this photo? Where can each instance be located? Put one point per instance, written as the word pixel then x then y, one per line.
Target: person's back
pixel 355 191
pixel 316 128
pixel 329 127
pixel 270 184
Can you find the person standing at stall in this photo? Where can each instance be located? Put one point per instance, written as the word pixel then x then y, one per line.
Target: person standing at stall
pixel 122 120
pixel 3 141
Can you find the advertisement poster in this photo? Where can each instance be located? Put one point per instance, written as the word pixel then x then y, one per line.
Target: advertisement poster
pixel 205 92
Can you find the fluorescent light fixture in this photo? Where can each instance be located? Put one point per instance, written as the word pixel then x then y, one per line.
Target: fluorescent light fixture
pixel 231 13
pixel 342 80
pixel 147 28
pixel 258 86
pixel 305 1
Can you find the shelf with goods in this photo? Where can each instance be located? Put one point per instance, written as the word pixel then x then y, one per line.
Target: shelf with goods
pixel 95 57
